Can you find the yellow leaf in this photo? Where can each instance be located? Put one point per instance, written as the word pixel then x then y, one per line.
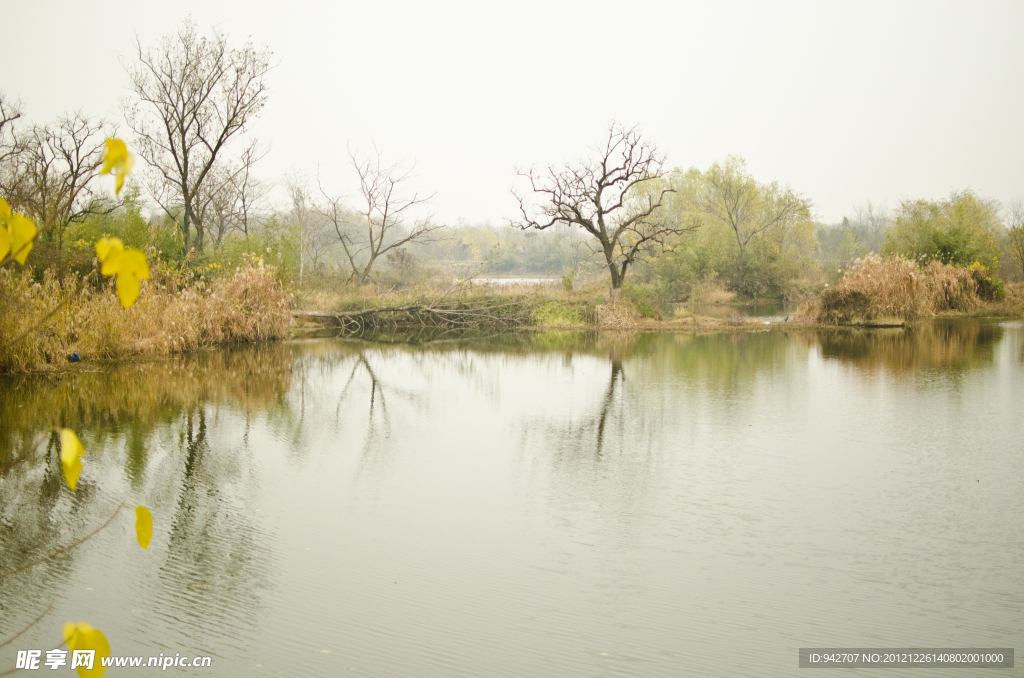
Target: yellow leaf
pixel 132 267
pixel 109 251
pixel 72 632
pixel 84 637
pixel 71 451
pixel 5 241
pixel 23 233
pixel 129 265
pixel 118 161
pixel 17 234
pixel 143 526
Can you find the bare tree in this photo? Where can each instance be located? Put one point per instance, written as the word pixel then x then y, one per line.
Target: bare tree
pixel 319 242
pixel 216 205
pixel 1016 231
pixel 10 149
pixel 56 166
pixel 730 194
pixel 298 192
pixel 872 218
pixel 192 96
pixel 615 196
pixel 10 112
pixel 313 230
pixel 379 222
pixel 230 196
pixel 250 191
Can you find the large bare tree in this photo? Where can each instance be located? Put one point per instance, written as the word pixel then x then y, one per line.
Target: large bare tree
pixel 192 97
pixel 56 168
pixel 382 219
pixel 615 195
pixel 729 193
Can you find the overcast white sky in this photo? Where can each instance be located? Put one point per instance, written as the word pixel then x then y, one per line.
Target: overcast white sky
pixel 845 101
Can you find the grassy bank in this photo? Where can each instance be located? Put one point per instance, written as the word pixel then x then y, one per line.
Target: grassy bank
pixel 43 323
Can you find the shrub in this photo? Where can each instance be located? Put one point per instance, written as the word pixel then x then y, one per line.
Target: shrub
pixel 643 298
pixel 990 288
pixel 874 289
pixel 558 314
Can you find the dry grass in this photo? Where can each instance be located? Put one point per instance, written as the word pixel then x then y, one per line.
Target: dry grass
pixel 881 291
pixel 952 288
pixel 248 305
pixel 1014 302
pixel 436 291
pixel 710 293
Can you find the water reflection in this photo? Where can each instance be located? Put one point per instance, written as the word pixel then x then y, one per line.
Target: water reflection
pixel 146 430
pixel 949 346
pixel 569 503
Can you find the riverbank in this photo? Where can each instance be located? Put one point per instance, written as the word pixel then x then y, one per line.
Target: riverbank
pixel 45 325
pixel 509 307
pixel 892 292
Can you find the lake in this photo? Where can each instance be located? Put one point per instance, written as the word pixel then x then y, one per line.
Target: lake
pixel 552 504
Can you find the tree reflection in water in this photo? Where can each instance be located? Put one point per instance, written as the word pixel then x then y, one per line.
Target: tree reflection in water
pixel 144 426
pixel 418 455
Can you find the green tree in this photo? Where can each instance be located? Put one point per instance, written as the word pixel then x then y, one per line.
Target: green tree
pixel 1015 235
pixel 728 194
pixel 960 230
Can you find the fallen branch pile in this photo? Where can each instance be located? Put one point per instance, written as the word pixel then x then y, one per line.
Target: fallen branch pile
pixel 461 316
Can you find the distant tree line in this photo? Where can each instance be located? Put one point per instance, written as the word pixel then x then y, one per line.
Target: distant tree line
pixel 619 210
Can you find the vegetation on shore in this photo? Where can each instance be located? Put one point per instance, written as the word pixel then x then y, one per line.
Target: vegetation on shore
pixel 430 311
pixel 877 291
pixel 225 259
pixel 42 324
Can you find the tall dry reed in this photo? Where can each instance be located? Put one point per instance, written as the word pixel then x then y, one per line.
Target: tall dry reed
pixel 248 305
pixel 876 289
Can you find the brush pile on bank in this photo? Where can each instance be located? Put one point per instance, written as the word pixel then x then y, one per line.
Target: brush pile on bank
pixel 889 291
pixel 447 305
pixel 170 316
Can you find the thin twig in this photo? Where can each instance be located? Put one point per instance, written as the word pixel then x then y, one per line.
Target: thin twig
pixel 64 549
pixel 36 621
pixel 20 458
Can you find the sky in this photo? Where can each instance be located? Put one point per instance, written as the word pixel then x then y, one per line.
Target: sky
pixel 843 101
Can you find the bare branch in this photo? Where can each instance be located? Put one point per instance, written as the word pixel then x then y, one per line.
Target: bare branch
pixel 380 221
pixel 192 97
pixel 616 195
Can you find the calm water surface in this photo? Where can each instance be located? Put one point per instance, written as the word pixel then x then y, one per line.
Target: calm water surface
pixel 555 505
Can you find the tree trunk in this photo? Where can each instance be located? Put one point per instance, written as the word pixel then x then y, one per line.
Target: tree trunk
pixel 740 264
pixel 609 256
